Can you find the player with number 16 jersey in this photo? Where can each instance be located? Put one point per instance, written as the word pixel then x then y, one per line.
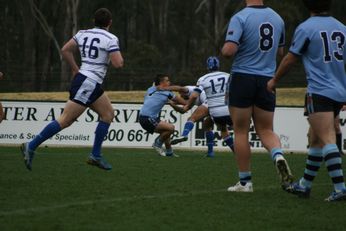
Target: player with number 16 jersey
pixel 97 48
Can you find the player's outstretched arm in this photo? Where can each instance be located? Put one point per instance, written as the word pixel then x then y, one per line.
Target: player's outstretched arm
pixel 176 107
pixel 285 65
pixel 179 100
pixel 67 53
pixel 173 88
pixel 191 101
pixel 116 59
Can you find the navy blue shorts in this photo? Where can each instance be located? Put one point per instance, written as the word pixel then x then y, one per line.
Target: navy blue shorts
pixel 223 120
pixel 247 90
pixel 319 103
pixel 84 91
pixel 149 124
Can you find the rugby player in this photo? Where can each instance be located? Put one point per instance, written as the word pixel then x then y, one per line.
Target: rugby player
pixel 149 118
pixel 97 46
pixel 214 85
pixel 197 115
pixel 320 42
pixel 254 37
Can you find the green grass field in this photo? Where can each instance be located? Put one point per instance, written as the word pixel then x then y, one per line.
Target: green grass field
pixel 148 192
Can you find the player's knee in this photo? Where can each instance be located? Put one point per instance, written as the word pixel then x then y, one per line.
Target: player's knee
pixel 107 116
pixel 171 128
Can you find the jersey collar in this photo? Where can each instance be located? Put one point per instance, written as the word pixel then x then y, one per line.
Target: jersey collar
pixel 321 15
pixel 258 6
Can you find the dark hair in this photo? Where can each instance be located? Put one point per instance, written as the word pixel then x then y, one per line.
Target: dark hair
pixel 159 78
pixel 102 17
pixel 318 6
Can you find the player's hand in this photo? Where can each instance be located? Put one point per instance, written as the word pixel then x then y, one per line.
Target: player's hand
pixel 271 85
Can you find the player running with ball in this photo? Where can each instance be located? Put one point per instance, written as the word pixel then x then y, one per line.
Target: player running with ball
pixel 320 42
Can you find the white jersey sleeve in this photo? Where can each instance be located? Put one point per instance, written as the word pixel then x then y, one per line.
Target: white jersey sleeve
pixel 202 97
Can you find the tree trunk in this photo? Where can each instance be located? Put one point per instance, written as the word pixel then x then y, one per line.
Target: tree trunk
pixel 70 29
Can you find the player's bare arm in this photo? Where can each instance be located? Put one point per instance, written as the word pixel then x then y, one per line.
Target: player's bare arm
pixel 280 52
pixel 67 53
pixel 173 88
pixel 286 64
pixel 229 49
pixel 191 100
pixel 179 100
pixel 116 59
pixel 176 107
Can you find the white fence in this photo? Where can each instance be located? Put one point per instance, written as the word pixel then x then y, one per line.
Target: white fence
pixel 25 119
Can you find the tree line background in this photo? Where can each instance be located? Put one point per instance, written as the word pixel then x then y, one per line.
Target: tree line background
pixel 156 36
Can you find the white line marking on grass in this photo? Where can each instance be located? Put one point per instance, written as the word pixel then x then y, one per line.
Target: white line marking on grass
pixel 126 199
pixel 118 199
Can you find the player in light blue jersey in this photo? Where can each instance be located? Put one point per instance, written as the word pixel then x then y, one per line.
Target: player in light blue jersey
pixel 254 37
pixel 97 47
pixel 149 118
pixel 321 43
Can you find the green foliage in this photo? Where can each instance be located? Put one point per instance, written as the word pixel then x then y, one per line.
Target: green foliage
pixel 155 35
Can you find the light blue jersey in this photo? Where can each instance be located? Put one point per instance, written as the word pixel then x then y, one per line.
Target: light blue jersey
pixel 258 31
pixel 320 40
pixel 154 100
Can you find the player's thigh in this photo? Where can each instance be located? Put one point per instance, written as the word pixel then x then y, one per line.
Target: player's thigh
pixel 72 111
pixel 322 125
pixel 163 126
pixel 337 124
pixel 104 108
pixel 241 118
pixel 263 119
pixel 200 112
pixel 322 112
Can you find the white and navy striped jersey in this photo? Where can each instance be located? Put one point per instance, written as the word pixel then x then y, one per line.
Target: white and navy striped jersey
pixel 214 84
pixel 202 99
pixel 95 45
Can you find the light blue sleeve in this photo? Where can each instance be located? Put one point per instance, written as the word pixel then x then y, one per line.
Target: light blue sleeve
pixel 235 30
pixel 300 42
